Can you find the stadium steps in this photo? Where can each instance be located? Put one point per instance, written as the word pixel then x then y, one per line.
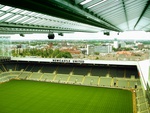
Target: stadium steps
pixel 90 72
pixel 15 69
pixel 15 73
pixel 54 77
pixel 29 76
pixel 4 68
pixel 141 100
pixel 41 76
pixel 112 82
pixel 143 107
pixel 56 70
pixel 32 68
pixel 24 74
pixel 41 68
pixel 35 76
pixel 139 93
pixel 20 73
pixel 83 80
pixel 98 81
pixel 6 76
pixel 26 67
pixel 68 79
pixel 4 79
pixel 145 111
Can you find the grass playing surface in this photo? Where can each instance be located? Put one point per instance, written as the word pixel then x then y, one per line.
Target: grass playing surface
pixel 20 96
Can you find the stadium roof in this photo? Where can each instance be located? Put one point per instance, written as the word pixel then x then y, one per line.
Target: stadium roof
pixel 41 16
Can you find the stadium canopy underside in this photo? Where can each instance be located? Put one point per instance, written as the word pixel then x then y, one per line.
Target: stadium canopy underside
pixel 41 16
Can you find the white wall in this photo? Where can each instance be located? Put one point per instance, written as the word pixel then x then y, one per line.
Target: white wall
pixel 143 67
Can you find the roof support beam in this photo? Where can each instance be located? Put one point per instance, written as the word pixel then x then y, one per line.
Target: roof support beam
pixel 143 28
pixel 40 28
pixel 125 12
pixel 143 12
pixel 61 9
pixel 73 7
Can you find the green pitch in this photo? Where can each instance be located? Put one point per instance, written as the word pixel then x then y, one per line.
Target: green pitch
pixel 20 96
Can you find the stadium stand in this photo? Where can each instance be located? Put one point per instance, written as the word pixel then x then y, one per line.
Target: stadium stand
pixel 75 79
pixel 10 66
pixel 37 68
pixel 95 71
pixel 139 92
pixel 61 78
pixel 142 102
pixel 2 68
pixel 15 73
pixel 143 107
pixel 146 111
pixel 131 71
pixel 47 77
pixel 65 69
pixel 30 67
pixel 103 71
pixel 100 76
pixel 6 76
pixel 81 70
pixel 21 66
pixel 35 76
pixel 91 80
pixel 4 79
pixel 133 82
pixel 116 72
pixel 105 81
pixel 123 83
pixel 24 75
pixel 77 11
pixel 48 68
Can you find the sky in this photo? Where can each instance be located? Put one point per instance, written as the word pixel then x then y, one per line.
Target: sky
pixel 136 35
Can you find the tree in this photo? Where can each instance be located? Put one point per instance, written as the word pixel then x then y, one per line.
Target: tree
pixel 67 55
pixel 55 53
pixel 45 53
pixel 96 58
pixel 96 53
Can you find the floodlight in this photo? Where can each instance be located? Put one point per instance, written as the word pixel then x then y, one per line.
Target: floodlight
pixel 51 35
pixel 21 35
pixel 61 34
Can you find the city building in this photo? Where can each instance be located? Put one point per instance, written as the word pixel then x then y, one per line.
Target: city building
pixel 99 49
pixel 116 44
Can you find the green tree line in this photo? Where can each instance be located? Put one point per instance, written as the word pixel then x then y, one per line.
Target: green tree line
pixel 44 53
pixel 122 49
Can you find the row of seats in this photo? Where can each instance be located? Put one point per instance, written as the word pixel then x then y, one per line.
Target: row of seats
pixel 75 69
pixel 85 80
pixel 6 76
pixel 142 102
